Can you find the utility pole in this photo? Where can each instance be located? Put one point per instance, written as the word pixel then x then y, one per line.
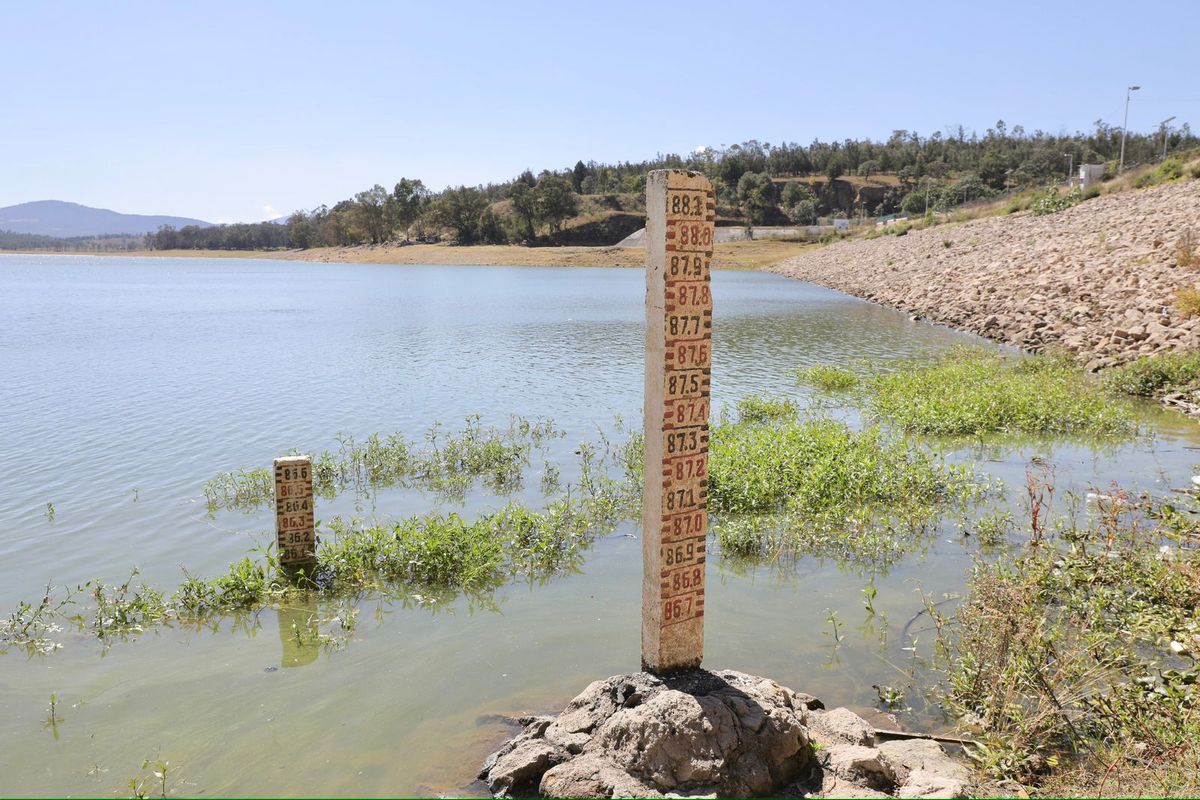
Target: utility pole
pixel 1125 125
pixel 1070 165
pixel 1163 126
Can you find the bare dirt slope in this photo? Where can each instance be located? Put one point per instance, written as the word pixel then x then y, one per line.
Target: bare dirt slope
pixel 1097 280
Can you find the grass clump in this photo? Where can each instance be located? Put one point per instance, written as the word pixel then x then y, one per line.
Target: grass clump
pixel 1077 656
pixel 970 392
pixel 1155 375
pixel 765 409
pixel 819 487
pixel 445 551
pixel 828 379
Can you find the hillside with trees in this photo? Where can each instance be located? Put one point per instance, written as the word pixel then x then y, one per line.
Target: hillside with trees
pixel 756 182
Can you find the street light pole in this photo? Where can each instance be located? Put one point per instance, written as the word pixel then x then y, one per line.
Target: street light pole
pixel 1125 125
pixel 1163 125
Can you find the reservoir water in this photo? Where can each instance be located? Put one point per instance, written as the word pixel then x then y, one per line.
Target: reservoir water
pixel 125 384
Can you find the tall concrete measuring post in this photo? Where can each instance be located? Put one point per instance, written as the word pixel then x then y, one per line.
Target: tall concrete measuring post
pixel 680 213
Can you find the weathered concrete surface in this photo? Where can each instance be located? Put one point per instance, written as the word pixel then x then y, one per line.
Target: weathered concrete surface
pixel 1097 280
pixel 724 734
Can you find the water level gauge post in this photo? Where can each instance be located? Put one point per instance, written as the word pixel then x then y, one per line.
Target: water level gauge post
pixel 680 217
pixel 295 530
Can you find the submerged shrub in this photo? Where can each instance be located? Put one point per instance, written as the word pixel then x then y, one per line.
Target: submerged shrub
pixel 971 392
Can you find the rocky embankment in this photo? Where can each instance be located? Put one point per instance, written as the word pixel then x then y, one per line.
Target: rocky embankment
pixel 723 734
pixel 1097 280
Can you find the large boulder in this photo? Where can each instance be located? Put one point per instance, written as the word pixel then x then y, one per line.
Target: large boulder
pixel 700 733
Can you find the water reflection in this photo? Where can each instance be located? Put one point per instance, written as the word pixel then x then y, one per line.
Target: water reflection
pixel 299 634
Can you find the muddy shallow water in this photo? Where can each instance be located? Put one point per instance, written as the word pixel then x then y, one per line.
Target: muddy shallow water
pixel 130 382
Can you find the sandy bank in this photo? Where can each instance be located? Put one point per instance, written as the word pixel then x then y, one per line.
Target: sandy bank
pixel 731 255
pixel 1097 280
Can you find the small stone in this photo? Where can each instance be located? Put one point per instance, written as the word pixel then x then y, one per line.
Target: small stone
pixel 864 765
pixel 931 784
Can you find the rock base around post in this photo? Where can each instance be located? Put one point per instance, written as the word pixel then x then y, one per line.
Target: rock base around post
pixel 723 734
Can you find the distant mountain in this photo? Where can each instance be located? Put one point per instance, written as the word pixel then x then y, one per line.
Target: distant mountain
pixel 61 220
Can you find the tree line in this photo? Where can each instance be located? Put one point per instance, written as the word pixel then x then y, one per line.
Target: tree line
pixel 756 182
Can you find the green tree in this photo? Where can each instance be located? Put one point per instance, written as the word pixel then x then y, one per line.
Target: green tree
pixel 835 167
pixel 409 199
pixel 524 203
pixel 459 210
pixel 799 203
pixel 795 192
pixel 993 169
pixel 555 201
pixel 868 168
pixel 369 213
pixel 301 231
pixel 490 229
pixel 577 175
pixel 803 212
pixel 757 196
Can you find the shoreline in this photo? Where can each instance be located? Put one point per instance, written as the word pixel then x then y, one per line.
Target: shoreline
pixel 759 254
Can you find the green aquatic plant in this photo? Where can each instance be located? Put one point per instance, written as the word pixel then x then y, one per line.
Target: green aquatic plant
pixel 869 593
pixel 835 627
pixel 827 378
pixel 766 409
pixel 29 627
pixel 992 529
pixel 246 583
pixel 890 698
pixel 448 464
pixel 818 487
pixel 971 392
pixel 429 556
pixel 155 773
pixel 125 609
pixel 819 467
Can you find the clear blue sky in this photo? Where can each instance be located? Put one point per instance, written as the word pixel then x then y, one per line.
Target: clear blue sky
pixel 236 111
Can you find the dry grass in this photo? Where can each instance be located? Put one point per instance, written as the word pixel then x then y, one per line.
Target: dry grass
pixel 1187 301
pixel 1185 250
